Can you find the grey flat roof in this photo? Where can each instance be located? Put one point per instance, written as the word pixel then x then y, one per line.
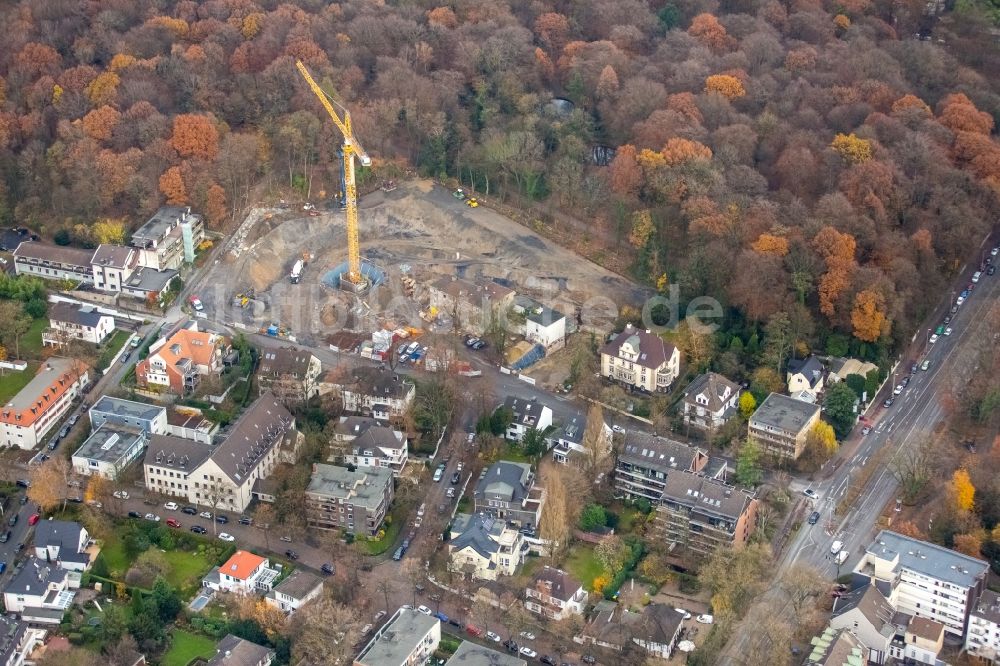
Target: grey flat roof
pixel 110 442
pixel 162 222
pixel 471 654
pixel 784 413
pixel 147 279
pixel 929 559
pixel 120 407
pixel 336 481
pixel 398 639
pixel 544 316
pixel 298 584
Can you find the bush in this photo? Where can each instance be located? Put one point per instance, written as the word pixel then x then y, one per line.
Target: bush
pixel 76 638
pixel 593 517
pixel 688 584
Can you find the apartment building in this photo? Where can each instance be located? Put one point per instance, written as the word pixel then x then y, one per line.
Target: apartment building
pixel 112 266
pixel 177 361
pixel 710 401
pixel 223 477
pixel 526 415
pixel 484 548
pixel 983 637
pixel 378 393
pixel 837 647
pixel 781 425
pixel 409 638
pixel 169 238
pixel 68 321
pixel 290 374
pixel 109 450
pixel 473 654
pixel 640 359
pixel 698 515
pixel 53 262
pixel 554 594
pixel 44 400
pixel 151 419
pixel 19 640
pixel 925 580
pixel 357 501
pixel 645 461
pixel 507 491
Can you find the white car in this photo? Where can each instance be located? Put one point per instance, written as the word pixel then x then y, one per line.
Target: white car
pixel 933 338
pixel 705 619
pixel 898 389
pixel 959 300
pixel 206 514
pixel 810 493
pixel 948 331
pixel 420 511
pixel 527 634
pixel 196 304
pixel 684 613
pixel 225 536
pixel 618 428
pixel 451 492
pixel 170 506
pixel 528 652
pixel 458 468
pixel 994 251
pixel 976 276
pixel 424 609
pixel 493 637
pixel 153 517
pixel 120 494
pixel 472 436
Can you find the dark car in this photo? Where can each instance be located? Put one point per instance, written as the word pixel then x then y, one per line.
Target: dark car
pixel 887 403
pixel 291 554
pixel 456 623
pixel 134 514
pixel 20 547
pixel 23 483
pixel 23 500
pixel 246 520
pixel 222 520
pixel 510 645
pixel 589 659
pixel 328 569
pixel 5 537
pixel 546 659
pixel 405 545
pixel 54 443
pixel 455 478
pixel 814 518
pixel 13 520
pixel 198 529
pixel 991 270
pixel 76 499
pixel 190 510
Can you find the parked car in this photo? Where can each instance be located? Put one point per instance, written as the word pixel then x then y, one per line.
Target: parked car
pixel 12 520
pixel 866 430
pixel 948 330
pixel 198 529
pixel 510 645
pixel 473 630
pixel 5 537
pixel 329 570
pixel 170 506
pixel 379 615
pixel 190 510
pixel 527 634
pixel 222 520
pixel 444 618
pixel 814 518
pixel 197 304
pixel 173 522
pixel 120 494
pixel 153 517
pixel 291 554
pixel 33 520
pixel 528 652
pixel 246 520
pixel 933 338
pixel 450 493
pixel 492 636
pixel 226 537
pixel 438 474
pixel 546 659
pixel 705 619
pixel 425 610
pixel 286 539
pixel 75 499
pixel 991 270
pixel 810 493
pixel 3 566
pixel 925 365
pixel 976 276
pixel 888 402
pixel 398 555
pixel 685 614
pixel 134 514
pixel 589 659
pixel 205 514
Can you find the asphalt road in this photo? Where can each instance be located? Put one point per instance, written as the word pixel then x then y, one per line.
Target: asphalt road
pixel 915 413
pixel 19 533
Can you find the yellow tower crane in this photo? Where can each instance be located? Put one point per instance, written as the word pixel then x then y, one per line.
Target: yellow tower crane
pixel 351 148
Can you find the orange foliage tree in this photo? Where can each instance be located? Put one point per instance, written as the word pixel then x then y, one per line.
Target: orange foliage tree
pixel 771 244
pixel 215 204
pixel 801 59
pixel 679 151
pixel 837 249
pixel 607 83
pixel 852 148
pixel 970 544
pixel 958 113
pixel 963 493
pixel 868 316
pixel 251 25
pixel 841 22
pixel 625 172
pixel 707 30
pixel 923 240
pixel 442 17
pixel 100 123
pixel 910 104
pixel 686 104
pixel 195 135
pixel 121 61
pixel 552 30
pixel 726 85
pixel 172 186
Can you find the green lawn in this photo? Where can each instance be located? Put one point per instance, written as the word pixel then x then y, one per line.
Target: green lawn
pixel 13 381
pixel 186 567
pixel 186 646
pixel 378 547
pixel 111 347
pixel 31 342
pixel 583 564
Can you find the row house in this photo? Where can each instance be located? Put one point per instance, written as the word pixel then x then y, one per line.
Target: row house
pixel 44 400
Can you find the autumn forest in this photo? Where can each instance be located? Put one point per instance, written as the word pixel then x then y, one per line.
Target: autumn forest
pixel 806 157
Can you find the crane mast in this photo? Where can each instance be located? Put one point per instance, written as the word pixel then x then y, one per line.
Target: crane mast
pixel 351 147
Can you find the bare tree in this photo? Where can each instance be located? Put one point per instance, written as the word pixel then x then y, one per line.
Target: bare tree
pixel 914 466
pixel 556 527
pixel 48 483
pixel 800 584
pixel 596 442
pixel 324 632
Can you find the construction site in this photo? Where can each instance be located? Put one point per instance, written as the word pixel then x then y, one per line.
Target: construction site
pixel 412 235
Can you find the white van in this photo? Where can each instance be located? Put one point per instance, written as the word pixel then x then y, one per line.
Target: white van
pixel 835 548
pixel 842 556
